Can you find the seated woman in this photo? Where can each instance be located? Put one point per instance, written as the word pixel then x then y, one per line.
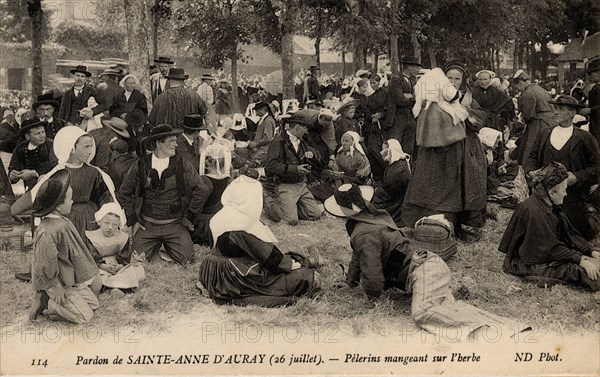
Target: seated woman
pixel 215 171
pixel 541 244
pixel 351 165
pixel 390 195
pixel 109 244
pixel 245 267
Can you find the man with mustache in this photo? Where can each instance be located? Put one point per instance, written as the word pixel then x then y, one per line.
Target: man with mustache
pixel 45 107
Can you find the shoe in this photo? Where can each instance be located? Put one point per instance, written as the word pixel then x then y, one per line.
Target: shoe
pixel 117 293
pixel 468 236
pixel 23 276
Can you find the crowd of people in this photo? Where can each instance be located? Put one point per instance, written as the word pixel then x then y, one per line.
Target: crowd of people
pixel 410 161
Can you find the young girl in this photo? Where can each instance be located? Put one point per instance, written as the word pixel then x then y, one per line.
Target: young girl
pixel 64 275
pixel 109 243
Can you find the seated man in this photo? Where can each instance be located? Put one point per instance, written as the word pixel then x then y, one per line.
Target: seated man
pixel 32 157
pixel 383 258
pixel 288 162
pixel 541 244
pixel 161 195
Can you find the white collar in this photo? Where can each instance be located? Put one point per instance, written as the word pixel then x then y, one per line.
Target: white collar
pixel 31 146
pixel 191 141
pixel 50 120
pixel 53 216
pixel 160 164
pixel 263 117
pixel 293 138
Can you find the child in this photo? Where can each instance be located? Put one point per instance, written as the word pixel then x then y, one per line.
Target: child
pixel 64 275
pixel 108 243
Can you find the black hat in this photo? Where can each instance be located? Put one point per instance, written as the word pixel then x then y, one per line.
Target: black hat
pixel 50 192
pixel 45 99
pixel 110 72
pixel 136 118
pixel 302 117
pixel 164 59
pixel 313 68
pixel 162 130
pixel 593 66
pixel 29 124
pixel 455 64
pixel 261 104
pixel 81 69
pixel 118 145
pixel 194 122
pixel 566 100
pixel 177 74
pixel 410 60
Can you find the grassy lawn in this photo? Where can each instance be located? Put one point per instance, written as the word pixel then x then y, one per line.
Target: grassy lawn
pixel 169 294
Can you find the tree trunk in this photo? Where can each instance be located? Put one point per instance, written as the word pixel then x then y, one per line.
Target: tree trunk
pixel 364 58
pixel 37 16
pixel 156 25
pixel 498 61
pixel 287 51
pixel 516 56
pixel 394 54
pixel 137 36
pixel 343 63
pixel 234 91
pixel 318 51
pixel 414 41
pixel 358 58
pixel 375 62
pixel 431 53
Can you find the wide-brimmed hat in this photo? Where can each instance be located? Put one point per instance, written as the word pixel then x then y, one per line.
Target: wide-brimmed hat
pixel 118 125
pixel 164 59
pixel 593 66
pixel 207 76
pixel 348 199
pixel 136 117
pixel 81 69
pixel 177 74
pixel 50 192
pixel 162 130
pixel 566 100
pixel 313 68
pixel 362 72
pixel 29 124
pixel 110 72
pixel 45 99
pixel 194 122
pixel 348 102
pixel 410 60
pixel 261 104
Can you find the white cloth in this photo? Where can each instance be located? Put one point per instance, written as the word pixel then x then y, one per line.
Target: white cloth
pixel 127 95
pixel 122 82
pixel 356 143
pixel 434 86
pixel 242 206
pixel 395 151
pixel 560 136
pixel 64 142
pixel 295 141
pixel 112 207
pixel 160 164
pixel 221 156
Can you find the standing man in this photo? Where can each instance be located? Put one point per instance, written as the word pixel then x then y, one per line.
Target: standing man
pixel 578 151
pixel 536 111
pixel 288 162
pixel 176 102
pixel 264 132
pixel 45 107
pixel 207 93
pixel 189 142
pixel 400 123
pixel 161 195
pixel 34 156
pixel 76 98
pixel 311 85
pixel 593 108
pixel 112 89
pixel 158 80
